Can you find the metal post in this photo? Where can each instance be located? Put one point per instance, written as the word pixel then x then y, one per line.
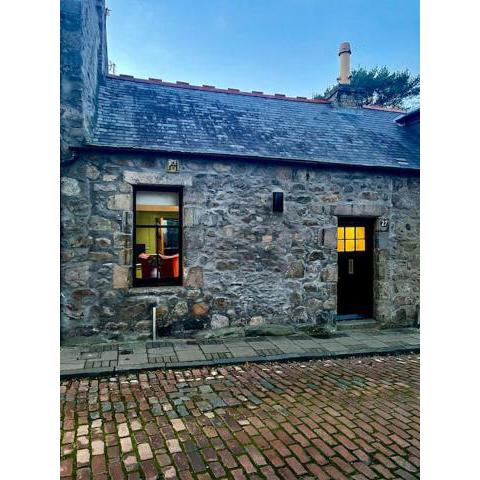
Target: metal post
pixel 154 323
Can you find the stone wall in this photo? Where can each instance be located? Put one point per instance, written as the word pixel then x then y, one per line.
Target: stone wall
pixel 83 62
pixel 243 263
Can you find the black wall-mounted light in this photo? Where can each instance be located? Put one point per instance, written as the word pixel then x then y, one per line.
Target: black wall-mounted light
pixel 278 201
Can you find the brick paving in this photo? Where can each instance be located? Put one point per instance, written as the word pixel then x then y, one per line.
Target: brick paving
pixel 355 418
pixel 179 353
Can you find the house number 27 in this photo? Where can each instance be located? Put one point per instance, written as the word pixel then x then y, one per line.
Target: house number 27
pixel 384 223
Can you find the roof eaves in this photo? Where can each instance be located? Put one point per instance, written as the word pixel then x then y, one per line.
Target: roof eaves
pixel 236 156
pixel 402 119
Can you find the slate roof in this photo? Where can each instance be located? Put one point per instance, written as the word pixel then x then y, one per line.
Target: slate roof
pixel 155 115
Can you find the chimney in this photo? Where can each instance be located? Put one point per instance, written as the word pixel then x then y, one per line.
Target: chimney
pixel 83 64
pixel 344 95
pixel 344 53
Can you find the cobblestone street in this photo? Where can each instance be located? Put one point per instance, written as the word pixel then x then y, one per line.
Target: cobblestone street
pixel 352 418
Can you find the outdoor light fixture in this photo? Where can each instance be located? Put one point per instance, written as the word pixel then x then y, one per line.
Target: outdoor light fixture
pixel 278 201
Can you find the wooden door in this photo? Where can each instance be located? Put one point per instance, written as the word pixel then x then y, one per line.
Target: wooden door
pixel 355 268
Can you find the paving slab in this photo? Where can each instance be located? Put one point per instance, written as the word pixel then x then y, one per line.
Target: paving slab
pixel 186 346
pixel 214 348
pixel 132 359
pixel 162 358
pixel 109 355
pixel 73 365
pixel 351 340
pixel 310 343
pixel 242 351
pixel 190 355
pixel 264 345
pixel 180 353
pixel 161 351
pixel 376 344
pixel 289 347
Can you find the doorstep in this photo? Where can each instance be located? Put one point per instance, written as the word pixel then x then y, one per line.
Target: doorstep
pixel 357 324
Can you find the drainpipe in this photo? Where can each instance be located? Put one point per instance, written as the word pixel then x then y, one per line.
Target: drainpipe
pixel 62 317
pixel 154 323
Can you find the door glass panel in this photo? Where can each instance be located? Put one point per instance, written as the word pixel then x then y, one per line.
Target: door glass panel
pixel 340 232
pixel 360 232
pixel 360 245
pixel 350 232
pixel 349 245
pixel 340 245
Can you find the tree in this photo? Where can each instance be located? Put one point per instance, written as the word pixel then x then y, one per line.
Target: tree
pixel 383 87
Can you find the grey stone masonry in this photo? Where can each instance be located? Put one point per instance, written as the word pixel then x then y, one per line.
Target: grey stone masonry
pixel 83 63
pixel 243 263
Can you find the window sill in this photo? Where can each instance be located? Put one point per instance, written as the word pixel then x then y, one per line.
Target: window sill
pixel 154 289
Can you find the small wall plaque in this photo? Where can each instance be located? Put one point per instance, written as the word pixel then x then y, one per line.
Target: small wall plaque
pixel 173 166
pixel 384 224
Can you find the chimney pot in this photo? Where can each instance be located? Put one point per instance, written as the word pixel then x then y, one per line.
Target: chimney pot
pixel 344 53
pixel 344 47
pixel 344 95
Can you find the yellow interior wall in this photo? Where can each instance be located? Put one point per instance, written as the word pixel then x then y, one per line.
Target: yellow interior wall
pixel 147 235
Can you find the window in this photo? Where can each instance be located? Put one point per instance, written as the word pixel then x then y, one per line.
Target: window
pixel 351 239
pixel 157 239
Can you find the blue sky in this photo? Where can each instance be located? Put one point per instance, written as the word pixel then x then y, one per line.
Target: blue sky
pixel 275 46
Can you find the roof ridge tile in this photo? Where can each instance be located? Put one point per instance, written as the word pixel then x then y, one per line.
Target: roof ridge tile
pixel 384 109
pixel 212 88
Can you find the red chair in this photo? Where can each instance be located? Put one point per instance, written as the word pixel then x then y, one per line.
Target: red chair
pixel 169 267
pixel 147 267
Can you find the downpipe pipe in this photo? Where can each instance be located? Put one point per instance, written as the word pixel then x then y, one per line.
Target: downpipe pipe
pixel 154 323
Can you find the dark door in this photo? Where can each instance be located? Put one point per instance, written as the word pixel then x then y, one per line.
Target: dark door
pixel 355 268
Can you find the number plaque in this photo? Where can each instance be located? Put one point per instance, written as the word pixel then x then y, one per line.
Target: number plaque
pixel 173 166
pixel 384 223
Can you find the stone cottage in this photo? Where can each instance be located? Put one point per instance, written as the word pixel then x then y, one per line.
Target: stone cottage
pixel 219 207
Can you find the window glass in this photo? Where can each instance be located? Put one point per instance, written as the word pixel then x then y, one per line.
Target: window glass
pixel 157 236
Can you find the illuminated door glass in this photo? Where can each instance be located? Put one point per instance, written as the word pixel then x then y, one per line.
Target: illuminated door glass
pixel 351 239
pixel 360 245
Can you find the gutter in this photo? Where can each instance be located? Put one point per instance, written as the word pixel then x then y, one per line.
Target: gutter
pixel 403 119
pixel 247 158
